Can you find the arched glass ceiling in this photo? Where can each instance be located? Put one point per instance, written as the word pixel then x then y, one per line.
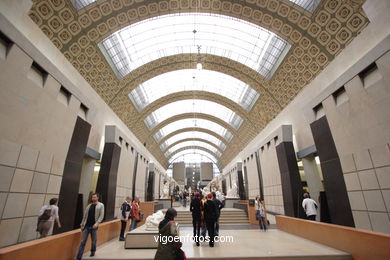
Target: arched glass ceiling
pixel 195 123
pixel 192 143
pixel 192 79
pixel 186 154
pixel 188 157
pixel 193 106
pixel 309 5
pixel 154 38
pixel 193 134
pixel 78 4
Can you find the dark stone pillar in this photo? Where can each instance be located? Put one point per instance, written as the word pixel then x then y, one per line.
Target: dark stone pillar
pixel 150 187
pixel 106 185
pixel 336 191
pixel 260 175
pixel 134 174
pixel 71 176
pixel 241 188
pixel 224 186
pixel 291 180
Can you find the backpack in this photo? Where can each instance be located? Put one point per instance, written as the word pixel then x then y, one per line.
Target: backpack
pixel 45 215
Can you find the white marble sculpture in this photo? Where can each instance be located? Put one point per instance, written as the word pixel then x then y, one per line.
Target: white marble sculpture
pixel 233 192
pixel 153 220
pixel 205 191
pixel 165 191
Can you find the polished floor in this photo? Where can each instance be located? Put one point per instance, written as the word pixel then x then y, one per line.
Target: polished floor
pixel 247 244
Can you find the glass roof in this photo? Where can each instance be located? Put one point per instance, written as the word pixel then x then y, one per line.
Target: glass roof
pixel 186 154
pixel 192 79
pixel 309 5
pixel 193 106
pixel 189 157
pixel 154 38
pixel 196 124
pixel 192 143
pixel 78 4
pixel 193 134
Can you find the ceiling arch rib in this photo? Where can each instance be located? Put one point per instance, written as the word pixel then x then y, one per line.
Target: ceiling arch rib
pixel 193 134
pixel 309 5
pixel 207 146
pixel 193 157
pixel 192 138
pixel 193 124
pixel 191 95
pixel 194 106
pixel 194 80
pixel 171 34
pixel 190 130
pixel 194 148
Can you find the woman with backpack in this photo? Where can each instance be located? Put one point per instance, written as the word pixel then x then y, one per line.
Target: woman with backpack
pixel 47 215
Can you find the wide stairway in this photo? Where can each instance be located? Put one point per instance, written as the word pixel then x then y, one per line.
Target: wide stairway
pixel 229 216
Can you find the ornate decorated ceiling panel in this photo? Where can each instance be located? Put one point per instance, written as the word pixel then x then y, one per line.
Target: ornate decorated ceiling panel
pixel 316 37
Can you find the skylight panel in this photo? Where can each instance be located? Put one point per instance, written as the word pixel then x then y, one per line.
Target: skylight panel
pixel 193 106
pixel 194 80
pixel 78 4
pixel 193 155
pixel 195 124
pixel 309 5
pixel 154 38
pixel 193 134
pixel 190 144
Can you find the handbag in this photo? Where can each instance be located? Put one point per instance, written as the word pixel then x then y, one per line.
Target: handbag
pixel 257 214
pixel 141 216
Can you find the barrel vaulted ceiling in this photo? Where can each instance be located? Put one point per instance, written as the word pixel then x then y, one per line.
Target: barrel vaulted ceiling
pixel 202 109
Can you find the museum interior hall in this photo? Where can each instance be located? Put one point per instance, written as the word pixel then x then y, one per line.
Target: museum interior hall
pixel 194 129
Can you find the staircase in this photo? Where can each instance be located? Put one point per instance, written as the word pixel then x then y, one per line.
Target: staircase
pixel 229 216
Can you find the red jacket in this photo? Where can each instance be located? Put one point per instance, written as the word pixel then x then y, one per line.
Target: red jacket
pixel 134 213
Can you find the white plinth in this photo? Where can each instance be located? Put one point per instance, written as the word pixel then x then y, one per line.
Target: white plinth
pixel 140 238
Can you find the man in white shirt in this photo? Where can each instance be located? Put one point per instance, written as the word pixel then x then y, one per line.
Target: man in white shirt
pixel 47 215
pixel 310 207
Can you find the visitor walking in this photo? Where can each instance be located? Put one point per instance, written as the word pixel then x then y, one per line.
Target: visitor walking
pixel 125 214
pixel 168 232
pixel 93 216
pixel 310 207
pixel 196 208
pixel 210 217
pixel 219 205
pixel 260 213
pixel 135 213
pixel 47 215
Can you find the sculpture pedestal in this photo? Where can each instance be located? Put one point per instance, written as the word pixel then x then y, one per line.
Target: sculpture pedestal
pixel 140 238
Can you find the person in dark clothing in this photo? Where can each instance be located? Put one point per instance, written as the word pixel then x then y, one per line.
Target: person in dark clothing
pixel 219 205
pixel 125 213
pixel 169 228
pixel 210 217
pixel 196 208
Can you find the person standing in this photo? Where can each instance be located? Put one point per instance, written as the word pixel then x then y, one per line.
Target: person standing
pixel 203 229
pixel 125 214
pixel 196 208
pixel 169 229
pixel 260 213
pixel 47 215
pixel 310 207
pixel 134 213
pixel 93 216
pixel 210 217
pixel 219 205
